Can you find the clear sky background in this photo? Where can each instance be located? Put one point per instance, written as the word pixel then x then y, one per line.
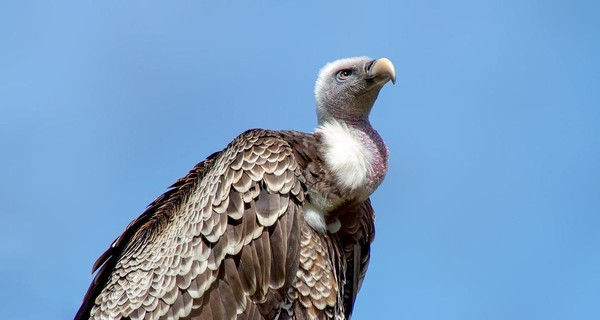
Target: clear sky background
pixel 491 206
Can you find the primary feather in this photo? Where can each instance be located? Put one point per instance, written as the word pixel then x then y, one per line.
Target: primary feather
pixel 277 225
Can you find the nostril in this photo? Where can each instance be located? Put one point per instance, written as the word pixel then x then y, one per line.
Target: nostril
pixel 368 65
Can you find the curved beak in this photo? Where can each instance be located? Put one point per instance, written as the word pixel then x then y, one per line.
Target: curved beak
pixel 381 69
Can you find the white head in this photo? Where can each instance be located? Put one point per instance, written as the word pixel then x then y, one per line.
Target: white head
pixel 346 89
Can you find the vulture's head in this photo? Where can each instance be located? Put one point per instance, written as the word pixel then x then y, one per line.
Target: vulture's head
pixel 346 89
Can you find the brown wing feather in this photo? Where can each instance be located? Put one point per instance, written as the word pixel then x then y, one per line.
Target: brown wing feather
pixel 356 235
pixel 222 243
pixel 138 231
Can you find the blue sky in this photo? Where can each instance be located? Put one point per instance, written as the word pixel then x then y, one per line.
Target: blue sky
pixel 491 206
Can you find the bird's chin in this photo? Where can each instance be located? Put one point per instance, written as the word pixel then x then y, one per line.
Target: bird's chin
pixel 374 84
pixel 379 81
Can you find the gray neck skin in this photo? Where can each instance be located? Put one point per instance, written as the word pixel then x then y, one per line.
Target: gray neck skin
pixel 356 116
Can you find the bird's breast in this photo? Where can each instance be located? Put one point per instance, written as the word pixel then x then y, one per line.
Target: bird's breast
pixel 357 158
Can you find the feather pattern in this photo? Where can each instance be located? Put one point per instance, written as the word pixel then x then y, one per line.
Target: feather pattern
pixel 236 251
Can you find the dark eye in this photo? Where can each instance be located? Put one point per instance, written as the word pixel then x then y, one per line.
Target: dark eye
pixel 344 74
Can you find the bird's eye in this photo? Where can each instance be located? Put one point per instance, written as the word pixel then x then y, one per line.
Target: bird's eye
pixel 344 74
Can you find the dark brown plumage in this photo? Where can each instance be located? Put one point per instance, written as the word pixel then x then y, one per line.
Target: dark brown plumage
pixel 241 236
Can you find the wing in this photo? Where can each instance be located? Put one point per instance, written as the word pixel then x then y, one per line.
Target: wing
pixel 356 235
pixel 221 244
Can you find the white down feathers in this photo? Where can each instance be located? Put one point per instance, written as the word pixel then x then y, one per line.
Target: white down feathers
pixel 346 155
pixel 351 162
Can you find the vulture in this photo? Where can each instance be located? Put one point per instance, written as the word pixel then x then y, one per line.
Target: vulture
pixel 277 225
